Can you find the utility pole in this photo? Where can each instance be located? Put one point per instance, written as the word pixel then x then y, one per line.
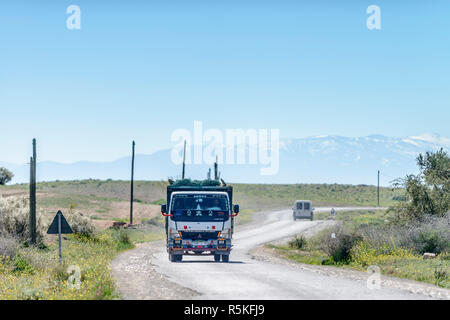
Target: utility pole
pixel 184 160
pixel 33 195
pixel 208 175
pixel 378 189
pixel 216 167
pixel 132 186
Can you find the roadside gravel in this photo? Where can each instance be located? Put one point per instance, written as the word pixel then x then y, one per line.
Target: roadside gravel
pixel 134 267
pixel 266 254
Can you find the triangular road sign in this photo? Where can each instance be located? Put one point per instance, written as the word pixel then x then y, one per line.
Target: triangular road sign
pixel 65 228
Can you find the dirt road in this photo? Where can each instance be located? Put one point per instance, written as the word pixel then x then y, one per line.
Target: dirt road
pixel 146 273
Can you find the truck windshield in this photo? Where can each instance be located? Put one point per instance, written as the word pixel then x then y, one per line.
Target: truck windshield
pixel 200 207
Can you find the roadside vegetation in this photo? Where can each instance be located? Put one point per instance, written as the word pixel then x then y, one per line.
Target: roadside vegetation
pixel 5 176
pixel 34 272
pixel 410 240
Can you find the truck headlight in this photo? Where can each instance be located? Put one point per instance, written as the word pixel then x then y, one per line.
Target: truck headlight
pixel 177 242
pixel 221 243
pixel 225 233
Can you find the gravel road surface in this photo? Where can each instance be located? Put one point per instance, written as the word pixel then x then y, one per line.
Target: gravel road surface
pixel 254 272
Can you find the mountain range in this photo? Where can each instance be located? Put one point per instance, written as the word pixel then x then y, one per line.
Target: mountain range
pixel 318 159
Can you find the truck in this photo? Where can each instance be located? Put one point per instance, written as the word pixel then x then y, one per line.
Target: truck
pixel 303 210
pixel 199 220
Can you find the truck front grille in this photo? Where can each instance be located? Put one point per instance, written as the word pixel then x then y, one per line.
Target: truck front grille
pixel 199 235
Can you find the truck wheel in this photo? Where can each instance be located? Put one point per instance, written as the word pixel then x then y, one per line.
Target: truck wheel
pixel 312 217
pixel 217 257
pixel 175 257
pixel 225 258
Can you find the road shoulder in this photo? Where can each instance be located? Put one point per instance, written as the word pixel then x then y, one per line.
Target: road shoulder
pixel 270 255
pixel 137 279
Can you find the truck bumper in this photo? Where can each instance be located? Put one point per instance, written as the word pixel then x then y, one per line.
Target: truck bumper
pixel 197 251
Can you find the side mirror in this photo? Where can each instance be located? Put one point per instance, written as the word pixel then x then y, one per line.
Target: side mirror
pixel 236 208
pixel 313 209
pixel 163 208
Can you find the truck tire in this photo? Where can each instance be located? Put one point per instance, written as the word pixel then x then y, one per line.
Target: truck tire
pixel 172 257
pixel 179 257
pixel 217 257
pixel 312 217
pixel 225 258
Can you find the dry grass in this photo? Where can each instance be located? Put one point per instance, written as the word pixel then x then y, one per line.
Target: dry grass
pixel 108 201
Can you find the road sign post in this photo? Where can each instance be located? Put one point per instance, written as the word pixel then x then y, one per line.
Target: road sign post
pixel 59 238
pixel 59 226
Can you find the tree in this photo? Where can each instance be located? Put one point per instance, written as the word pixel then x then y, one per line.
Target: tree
pixel 429 191
pixel 5 176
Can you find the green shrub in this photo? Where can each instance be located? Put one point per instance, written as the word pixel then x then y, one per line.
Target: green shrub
pixel 339 243
pixel 428 234
pixel 427 193
pixel 298 242
pixel 122 239
pixel 445 256
pixel 429 241
pixel 5 176
pixel 328 262
pixel 81 225
pixel 440 276
pixel 21 265
pixel 14 219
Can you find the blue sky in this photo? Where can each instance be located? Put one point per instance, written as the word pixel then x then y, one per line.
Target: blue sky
pixel 141 69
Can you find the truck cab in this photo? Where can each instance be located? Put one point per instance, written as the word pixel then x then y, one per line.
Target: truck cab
pixel 303 210
pixel 199 221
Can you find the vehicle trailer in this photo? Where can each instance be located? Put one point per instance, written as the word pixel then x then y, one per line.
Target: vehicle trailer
pixel 199 220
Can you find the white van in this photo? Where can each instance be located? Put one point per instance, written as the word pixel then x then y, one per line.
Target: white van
pixel 303 210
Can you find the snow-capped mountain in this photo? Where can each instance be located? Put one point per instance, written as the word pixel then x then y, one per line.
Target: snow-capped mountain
pixel 319 159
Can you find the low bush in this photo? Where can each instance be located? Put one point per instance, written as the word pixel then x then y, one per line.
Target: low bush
pixel 298 242
pixel 338 243
pixel 120 237
pixel 8 247
pixel 81 225
pixel 5 176
pixel 429 234
pixel 38 258
pixel 14 219
pixel 440 276
pixel 22 265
